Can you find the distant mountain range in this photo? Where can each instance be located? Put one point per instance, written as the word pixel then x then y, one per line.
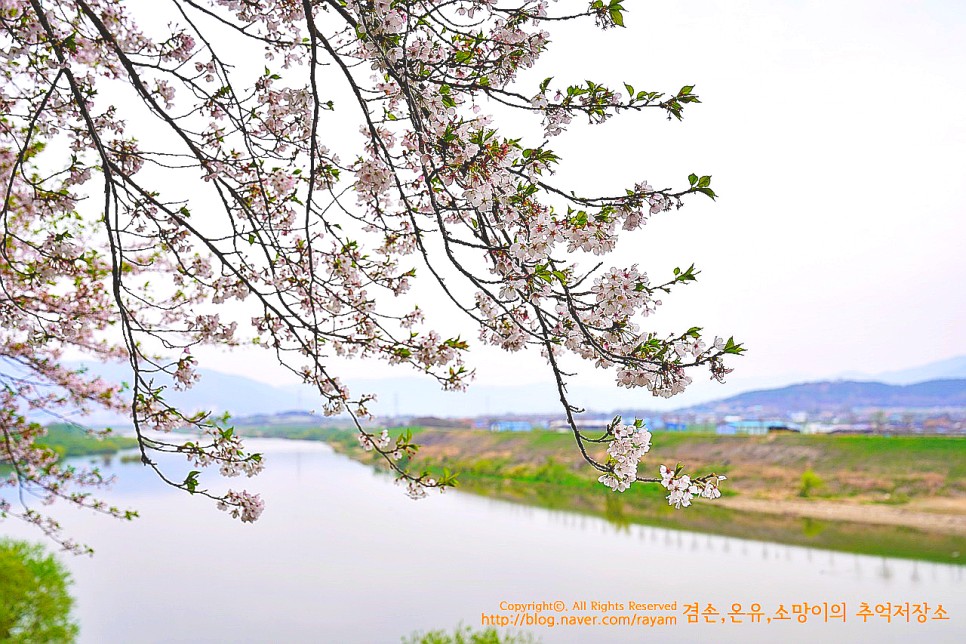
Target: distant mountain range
pixel 843 395
pixel 941 370
pixel 413 396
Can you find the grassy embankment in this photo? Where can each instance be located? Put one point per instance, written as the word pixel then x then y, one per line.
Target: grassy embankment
pixel 68 441
pixel 778 485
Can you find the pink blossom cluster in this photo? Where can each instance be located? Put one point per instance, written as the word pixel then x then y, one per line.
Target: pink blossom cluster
pixel 242 505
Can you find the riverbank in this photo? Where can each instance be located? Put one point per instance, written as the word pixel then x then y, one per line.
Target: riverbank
pixel 876 495
pixel 68 441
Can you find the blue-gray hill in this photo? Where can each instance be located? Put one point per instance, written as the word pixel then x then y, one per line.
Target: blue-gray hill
pixel 844 395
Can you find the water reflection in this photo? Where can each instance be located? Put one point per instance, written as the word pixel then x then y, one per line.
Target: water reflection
pixel 341 555
pixel 845 565
pixel 621 511
pixel 850 566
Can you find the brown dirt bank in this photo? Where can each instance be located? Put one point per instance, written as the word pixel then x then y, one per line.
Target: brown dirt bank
pixel 952 521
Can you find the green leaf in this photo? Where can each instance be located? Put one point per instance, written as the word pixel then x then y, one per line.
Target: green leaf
pixel 615 10
pixel 704 182
pixel 687 275
pixel 191 481
pixel 71 42
pixel 732 347
pixel 707 191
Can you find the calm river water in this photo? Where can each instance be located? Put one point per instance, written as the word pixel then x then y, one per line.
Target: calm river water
pixel 341 555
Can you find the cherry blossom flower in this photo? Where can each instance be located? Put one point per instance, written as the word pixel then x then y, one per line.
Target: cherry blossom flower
pixel 223 188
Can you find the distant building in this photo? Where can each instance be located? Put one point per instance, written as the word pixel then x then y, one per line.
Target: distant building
pixel 783 429
pixel 819 428
pixel 511 426
pixel 742 427
pixel 433 421
pixel 582 424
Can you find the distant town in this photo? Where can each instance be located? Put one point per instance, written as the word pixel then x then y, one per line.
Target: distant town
pixel 947 422
pixel 934 407
pixel 926 400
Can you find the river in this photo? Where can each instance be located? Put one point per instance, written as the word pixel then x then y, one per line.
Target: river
pixel 341 555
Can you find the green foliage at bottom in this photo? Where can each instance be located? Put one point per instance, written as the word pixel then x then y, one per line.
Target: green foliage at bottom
pixel 34 602
pixel 466 635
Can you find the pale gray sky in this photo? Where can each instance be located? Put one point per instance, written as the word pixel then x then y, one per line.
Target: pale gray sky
pixel 835 133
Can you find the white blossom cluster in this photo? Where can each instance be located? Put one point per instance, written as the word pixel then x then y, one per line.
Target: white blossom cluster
pixel 683 489
pixel 368 442
pixel 416 488
pixel 630 444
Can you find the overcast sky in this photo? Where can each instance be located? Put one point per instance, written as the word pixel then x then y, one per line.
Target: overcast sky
pixel 835 133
